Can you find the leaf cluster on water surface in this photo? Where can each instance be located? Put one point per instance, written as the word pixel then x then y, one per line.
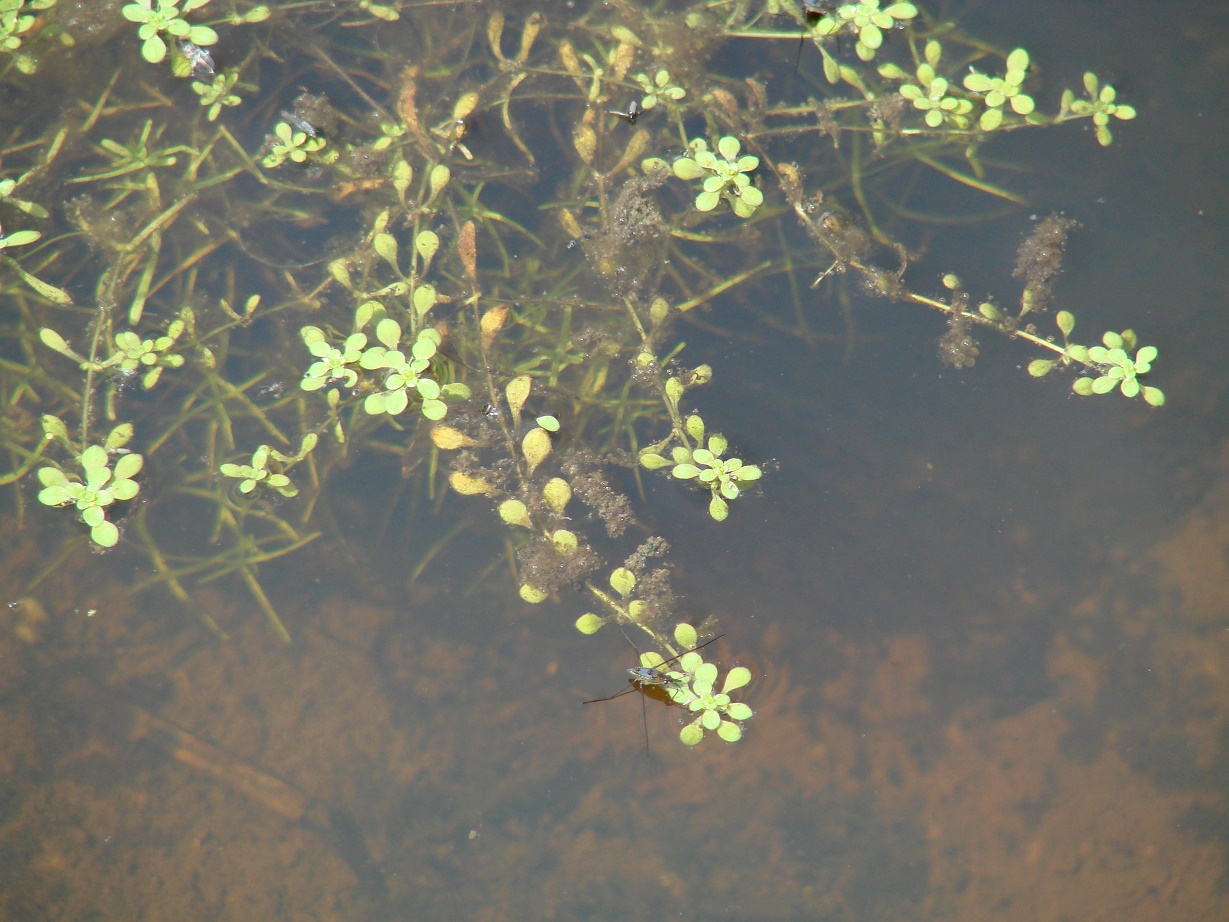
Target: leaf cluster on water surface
pixel 254 314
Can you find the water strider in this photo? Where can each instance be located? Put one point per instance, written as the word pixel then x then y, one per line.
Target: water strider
pixel 643 677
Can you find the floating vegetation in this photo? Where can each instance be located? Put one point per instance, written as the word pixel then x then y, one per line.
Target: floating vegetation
pixel 191 237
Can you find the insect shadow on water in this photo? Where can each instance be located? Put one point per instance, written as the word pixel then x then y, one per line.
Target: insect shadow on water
pixel 646 679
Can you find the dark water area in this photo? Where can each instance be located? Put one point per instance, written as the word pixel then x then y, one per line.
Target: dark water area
pixel 986 618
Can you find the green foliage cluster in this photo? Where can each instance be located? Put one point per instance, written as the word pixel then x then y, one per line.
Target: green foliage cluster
pixel 217 94
pixel 128 352
pixel 1100 106
pixel 517 341
pixel 18 21
pixel 296 146
pixel 657 88
pixel 98 485
pixel 724 478
pixel 725 177
pixel 1111 364
pixel 867 21
pixel 692 684
pixel 258 473
pixel 159 18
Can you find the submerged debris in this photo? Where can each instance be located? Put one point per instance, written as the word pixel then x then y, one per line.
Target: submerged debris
pixel 1040 259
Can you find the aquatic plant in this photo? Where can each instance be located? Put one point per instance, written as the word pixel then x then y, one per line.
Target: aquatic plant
pixel 217 93
pixel 692 684
pixel 865 20
pixel 295 145
pixel 98 485
pixel 19 20
pixel 1101 105
pixel 725 177
pixel 159 18
pixel 430 299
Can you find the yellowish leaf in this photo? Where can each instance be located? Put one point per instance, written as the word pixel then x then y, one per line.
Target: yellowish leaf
pixel 492 322
pixel 468 484
pixel 536 446
pixel 518 392
pixel 449 439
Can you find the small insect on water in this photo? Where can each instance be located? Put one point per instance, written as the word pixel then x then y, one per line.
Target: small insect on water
pixel 299 123
pixel 199 59
pixel 634 111
pixel 647 676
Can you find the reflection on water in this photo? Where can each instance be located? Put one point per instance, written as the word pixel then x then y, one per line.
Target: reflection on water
pixel 987 623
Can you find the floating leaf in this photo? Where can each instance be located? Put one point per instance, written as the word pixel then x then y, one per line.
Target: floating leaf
pixel 695 427
pixel 692 734
pixel 450 439
pixel 514 512
pixel 54 428
pixel 730 732
pixel 686 168
pixel 468 484
pixel 425 298
pixel 385 246
pixel 532 594
pixel 739 711
pixel 674 390
pixel 705 673
pixel 388 331
pixel 127 467
pixel 53 340
pixel 556 492
pixel 341 272
pixel 438 179
pixel 104 534
pixel 622 581
pixel 517 392
pixel 403 175
pixel 492 322
pixel 737 678
pixel 535 446
pixel 685 635
pixel 120 436
pixel 565 541
pixel 589 623
pixel 427 243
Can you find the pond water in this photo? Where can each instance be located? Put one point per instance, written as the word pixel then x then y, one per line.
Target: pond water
pixel 985 617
